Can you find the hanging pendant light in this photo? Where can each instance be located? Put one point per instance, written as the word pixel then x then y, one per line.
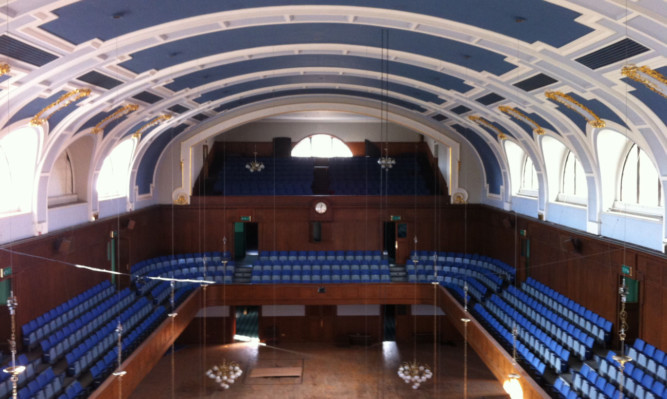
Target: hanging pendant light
pixel 14 370
pixel 386 162
pixel 254 166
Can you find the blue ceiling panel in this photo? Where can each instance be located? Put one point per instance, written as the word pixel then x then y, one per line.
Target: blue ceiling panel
pixel 173 53
pixel 427 76
pixel 494 178
pixel 527 20
pixel 36 105
pixel 99 117
pixel 304 79
pixel 529 127
pixel 149 161
pixel 287 93
pixel 650 98
pixel 599 108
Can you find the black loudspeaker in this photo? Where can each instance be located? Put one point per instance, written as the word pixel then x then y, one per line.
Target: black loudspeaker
pixel 282 147
pixel 576 244
pixel 508 223
pixel 316 229
pixel 62 245
pixel 371 150
pixel 130 224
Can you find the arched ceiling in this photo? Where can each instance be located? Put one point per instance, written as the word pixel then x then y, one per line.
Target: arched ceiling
pixel 441 62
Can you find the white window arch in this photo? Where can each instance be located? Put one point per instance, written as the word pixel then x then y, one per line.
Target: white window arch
pixel 529 182
pixel 321 146
pixel 113 180
pixel 523 177
pixel 18 160
pixel 639 190
pixel 566 178
pixel 61 181
pixel 630 181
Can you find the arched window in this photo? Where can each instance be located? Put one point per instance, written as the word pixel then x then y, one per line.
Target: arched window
pixel 523 177
pixel 61 181
pixel 640 189
pixel 321 146
pixel 573 187
pixel 529 181
pixel 18 158
pixel 113 180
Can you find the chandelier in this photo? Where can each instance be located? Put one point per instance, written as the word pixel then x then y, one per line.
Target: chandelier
pixel 414 373
pixel 254 166
pixel 386 162
pixel 225 374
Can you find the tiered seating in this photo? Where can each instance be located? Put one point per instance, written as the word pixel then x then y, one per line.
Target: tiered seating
pixel 589 384
pixel 24 378
pixel 46 385
pixel 73 391
pixel 321 271
pixel 540 344
pixel 533 363
pixel 580 343
pixel 651 360
pixel 281 176
pixel 185 266
pixel 359 176
pixel 637 382
pixel 599 327
pixel 54 319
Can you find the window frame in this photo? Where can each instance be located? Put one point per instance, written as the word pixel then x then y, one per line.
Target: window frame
pixel 310 139
pixel 635 208
pixel 571 198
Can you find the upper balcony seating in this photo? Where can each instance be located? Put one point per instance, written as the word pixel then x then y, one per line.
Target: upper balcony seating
pixel 584 318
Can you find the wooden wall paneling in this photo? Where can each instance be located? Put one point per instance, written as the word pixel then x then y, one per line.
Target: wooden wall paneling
pixel 652 275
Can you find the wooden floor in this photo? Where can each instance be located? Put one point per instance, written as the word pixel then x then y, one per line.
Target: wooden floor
pixel 328 372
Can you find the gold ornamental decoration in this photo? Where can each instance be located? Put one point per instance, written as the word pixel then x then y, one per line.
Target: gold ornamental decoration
pixel 648 77
pixel 155 121
pixel 119 113
pixel 484 123
pixel 66 99
pixel 4 69
pixel 513 112
pixel 577 107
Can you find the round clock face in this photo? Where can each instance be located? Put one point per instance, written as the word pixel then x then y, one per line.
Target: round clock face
pixel 320 207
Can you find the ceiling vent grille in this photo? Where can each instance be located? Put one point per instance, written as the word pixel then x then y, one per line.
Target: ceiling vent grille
pixel 18 50
pixel 100 80
pixel 535 82
pixel 616 52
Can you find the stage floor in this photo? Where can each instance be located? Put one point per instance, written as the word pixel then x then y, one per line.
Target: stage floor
pixel 328 372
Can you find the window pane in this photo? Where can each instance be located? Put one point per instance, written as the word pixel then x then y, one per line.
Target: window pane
pixel 569 175
pixel 114 175
pixel 321 146
pixel 529 180
pixel 18 156
pixel 302 149
pixel 629 178
pixel 580 187
pixel 60 179
pixel 649 182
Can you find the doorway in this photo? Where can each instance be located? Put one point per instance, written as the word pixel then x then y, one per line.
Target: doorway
pixel 389 242
pixel 247 322
pixel 246 239
pixel 389 323
pixel 396 243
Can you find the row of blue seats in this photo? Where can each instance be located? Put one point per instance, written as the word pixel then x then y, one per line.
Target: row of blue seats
pixel 648 357
pixel 457 291
pixel 580 343
pixel 589 384
pixel 637 382
pixel 316 277
pixel 562 390
pixel 536 366
pixel 537 340
pixel 497 266
pixel 73 391
pixel 75 332
pixel 55 319
pixel 584 318
pixel 47 385
pixel 28 374
pixel 86 355
pixel 426 273
pixel 331 255
pixel 211 258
